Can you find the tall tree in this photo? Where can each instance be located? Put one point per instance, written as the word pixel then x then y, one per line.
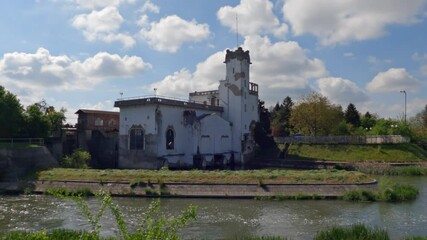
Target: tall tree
pixel 11 114
pixel 352 116
pixel 264 117
pixel 315 115
pixel 281 118
pixel 368 121
pixel 425 116
pixel 42 120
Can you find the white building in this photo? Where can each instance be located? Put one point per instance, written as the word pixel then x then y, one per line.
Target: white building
pixel 212 128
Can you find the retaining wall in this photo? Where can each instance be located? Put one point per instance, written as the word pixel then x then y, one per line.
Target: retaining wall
pixel 15 163
pixel 206 190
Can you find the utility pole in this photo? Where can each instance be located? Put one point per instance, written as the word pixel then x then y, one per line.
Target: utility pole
pixel 404 92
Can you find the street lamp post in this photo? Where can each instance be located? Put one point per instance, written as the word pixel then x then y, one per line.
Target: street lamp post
pixel 405 103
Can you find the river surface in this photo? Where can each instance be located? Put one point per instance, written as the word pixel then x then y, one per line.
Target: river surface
pixel 222 218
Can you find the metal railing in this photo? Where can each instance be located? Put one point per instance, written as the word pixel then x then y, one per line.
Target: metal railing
pixel 370 139
pixel 17 142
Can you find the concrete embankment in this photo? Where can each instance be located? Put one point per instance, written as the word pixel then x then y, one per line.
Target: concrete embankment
pixel 206 190
pixel 15 163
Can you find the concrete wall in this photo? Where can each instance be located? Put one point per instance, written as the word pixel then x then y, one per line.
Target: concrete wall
pixel 15 163
pixel 208 190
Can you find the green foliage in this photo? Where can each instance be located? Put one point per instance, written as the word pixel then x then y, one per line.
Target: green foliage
pixel 354 232
pixel 264 117
pixel 11 114
pixel 395 192
pixel 315 115
pixel 266 143
pixel 37 125
pixel 81 192
pixel 280 118
pixel 261 238
pixel 153 226
pixel 56 234
pixel 388 192
pixel 78 159
pixel 360 195
pixel 352 116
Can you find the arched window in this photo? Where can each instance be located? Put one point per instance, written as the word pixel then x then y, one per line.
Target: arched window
pixel 170 139
pixel 136 138
pixel 99 122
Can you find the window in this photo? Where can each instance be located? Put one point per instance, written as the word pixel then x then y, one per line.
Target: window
pixel 170 139
pixel 136 139
pixel 99 122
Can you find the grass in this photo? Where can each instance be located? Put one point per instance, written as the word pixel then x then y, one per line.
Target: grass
pixel 405 152
pixel 394 171
pixel 267 176
pixel 388 192
pixel 354 232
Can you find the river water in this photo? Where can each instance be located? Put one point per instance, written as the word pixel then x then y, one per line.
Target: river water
pixel 225 218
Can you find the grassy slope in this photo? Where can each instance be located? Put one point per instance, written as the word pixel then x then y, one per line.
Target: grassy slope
pixel 356 153
pixel 196 176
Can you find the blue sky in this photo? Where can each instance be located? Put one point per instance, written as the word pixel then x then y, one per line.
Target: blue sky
pixel 84 53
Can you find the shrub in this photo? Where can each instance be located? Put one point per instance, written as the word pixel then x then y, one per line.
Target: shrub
pixel 360 195
pixel 398 193
pixel 78 159
pixel 357 231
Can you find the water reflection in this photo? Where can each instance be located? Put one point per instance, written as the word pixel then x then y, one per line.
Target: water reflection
pixel 219 218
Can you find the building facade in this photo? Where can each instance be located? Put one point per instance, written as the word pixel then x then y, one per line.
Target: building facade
pixel 213 128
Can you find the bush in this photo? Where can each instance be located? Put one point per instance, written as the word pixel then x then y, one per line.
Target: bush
pixel 78 159
pixel 398 193
pixel 360 195
pixel 355 232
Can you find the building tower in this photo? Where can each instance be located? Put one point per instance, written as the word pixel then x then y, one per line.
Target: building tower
pixel 239 97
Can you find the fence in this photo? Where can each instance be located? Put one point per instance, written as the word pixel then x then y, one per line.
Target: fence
pixel 371 139
pixel 16 142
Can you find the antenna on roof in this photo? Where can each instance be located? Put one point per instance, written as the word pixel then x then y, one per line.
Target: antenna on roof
pixel 237 31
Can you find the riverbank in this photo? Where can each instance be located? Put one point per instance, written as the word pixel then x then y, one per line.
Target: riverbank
pixel 389 153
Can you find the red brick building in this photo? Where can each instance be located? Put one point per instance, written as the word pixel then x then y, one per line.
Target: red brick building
pixel 97 132
pixel 97 120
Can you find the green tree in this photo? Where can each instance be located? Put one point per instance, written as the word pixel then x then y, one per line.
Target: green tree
pixel 352 116
pixel 368 121
pixel 37 124
pixel 281 115
pixel 315 115
pixel 264 117
pixel 42 120
pixel 11 114
pixel 424 114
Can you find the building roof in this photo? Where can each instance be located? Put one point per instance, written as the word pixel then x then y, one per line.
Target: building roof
pixel 96 112
pixel 166 101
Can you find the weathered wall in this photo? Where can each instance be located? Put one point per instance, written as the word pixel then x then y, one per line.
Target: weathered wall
pixel 17 162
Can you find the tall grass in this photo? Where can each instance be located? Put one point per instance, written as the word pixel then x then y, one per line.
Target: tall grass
pixel 355 232
pixel 152 224
pixel 388 192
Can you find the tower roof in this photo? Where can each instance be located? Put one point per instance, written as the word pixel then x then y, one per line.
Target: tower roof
pixel 239 54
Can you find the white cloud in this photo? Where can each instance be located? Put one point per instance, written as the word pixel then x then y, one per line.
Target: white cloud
pixel 341 21
pixel 42 71
pixel 348 54
pixel 206 77
pixel 341 91
pixel 150 7
pixel 255 17
pixel 97 4
pixel 393 80
pixel 103 25
pixel 171 32
pixel 423 69
pixel 280 69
